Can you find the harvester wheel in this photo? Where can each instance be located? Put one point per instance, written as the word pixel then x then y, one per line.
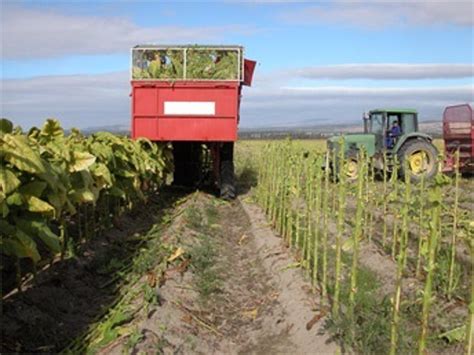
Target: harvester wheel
pixel 418 158
pixel 227 178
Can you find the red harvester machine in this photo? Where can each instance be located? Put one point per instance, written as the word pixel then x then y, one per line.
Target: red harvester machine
pixel 458 133
pixel 190 96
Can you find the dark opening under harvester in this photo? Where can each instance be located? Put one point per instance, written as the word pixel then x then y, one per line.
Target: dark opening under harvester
pixel 190 96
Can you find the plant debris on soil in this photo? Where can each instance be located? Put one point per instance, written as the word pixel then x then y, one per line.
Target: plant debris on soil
pixel 254 306
pixel 228 287
pixel 66 298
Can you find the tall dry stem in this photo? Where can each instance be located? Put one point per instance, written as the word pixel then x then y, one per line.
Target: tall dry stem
pixel 340 225
pixel 454 231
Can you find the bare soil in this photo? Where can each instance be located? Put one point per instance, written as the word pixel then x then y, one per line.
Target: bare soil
pixel 69 295
pixel 260 304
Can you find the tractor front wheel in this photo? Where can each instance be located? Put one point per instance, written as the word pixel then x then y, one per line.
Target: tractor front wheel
pixel 348 169
pixel 352 166
pixel 418 159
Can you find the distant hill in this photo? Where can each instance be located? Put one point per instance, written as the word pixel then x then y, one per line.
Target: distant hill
pixel 116 129
pixel 315 131
pixel 433 128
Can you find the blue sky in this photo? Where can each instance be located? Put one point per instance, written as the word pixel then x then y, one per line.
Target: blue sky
pixel 69 59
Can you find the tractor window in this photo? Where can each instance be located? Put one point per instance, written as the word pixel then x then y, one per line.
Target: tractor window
pixel 376 123
pixel 408 123
pixel 392 119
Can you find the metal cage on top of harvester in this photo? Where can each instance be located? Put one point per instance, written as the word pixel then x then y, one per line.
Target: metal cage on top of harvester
pixel 187 63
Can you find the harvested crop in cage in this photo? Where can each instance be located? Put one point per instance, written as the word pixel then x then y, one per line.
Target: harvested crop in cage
pixel 215 64
pixel 158 64
pixel 201 64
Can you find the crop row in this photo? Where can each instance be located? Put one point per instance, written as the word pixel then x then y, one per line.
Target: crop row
pixel 52 183
pixel 424 239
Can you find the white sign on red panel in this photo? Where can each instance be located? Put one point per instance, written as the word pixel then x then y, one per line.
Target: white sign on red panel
pixel 189 108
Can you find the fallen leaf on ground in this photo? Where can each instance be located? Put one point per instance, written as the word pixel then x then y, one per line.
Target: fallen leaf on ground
pixel 276 253
pixel 183 266
pixel 291 266
pixel 314 320
pixel 178 252
pixel 242 239
pixel 274 295
pixel 252 314
pixel 187 318
pixel 162 279
pixel 151 279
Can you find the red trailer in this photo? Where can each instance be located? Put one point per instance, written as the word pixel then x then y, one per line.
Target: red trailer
pixel 458 133
pixel 190 96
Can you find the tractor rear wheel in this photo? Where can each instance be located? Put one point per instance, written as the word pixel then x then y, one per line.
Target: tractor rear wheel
pixel 418 158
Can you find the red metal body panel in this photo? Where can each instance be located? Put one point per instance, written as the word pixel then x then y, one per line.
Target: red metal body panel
pixel 249 68
pixel 458 133
pixel 197 110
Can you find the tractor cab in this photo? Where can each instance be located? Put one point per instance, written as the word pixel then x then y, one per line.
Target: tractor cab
pixel 388 125
pixel 390 138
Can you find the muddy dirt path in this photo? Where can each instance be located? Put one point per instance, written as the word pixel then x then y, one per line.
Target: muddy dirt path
pixel 246 300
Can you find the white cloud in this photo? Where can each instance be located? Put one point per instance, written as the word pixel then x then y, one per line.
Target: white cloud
pixel 290 92
pixel 339 104
pixel 378 14
pixel 77 100
pixel 99 100
pixel 386 71
pixel 33 34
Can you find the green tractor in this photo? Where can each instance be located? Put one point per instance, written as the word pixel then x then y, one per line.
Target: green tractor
pixel 395 133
